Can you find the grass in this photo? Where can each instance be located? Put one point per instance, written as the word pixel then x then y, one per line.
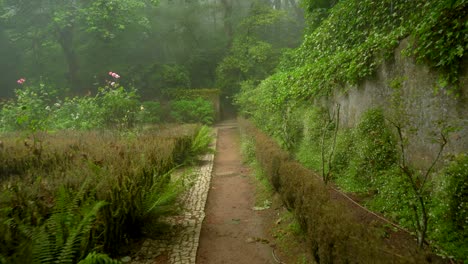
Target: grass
pixel 289 238
pixel 126 174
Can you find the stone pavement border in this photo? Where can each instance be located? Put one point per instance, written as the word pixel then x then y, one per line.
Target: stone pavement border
pixel 182 246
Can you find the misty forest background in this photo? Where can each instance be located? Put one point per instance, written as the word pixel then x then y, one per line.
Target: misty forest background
pixel 153 45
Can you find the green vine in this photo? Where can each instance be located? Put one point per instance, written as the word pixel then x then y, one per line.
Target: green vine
pixel 442 38
pixel 357 36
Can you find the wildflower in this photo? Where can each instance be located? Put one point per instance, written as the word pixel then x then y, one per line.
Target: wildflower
pixel 21 81
pixel 112 83
pixel 142 108
pixel 114 75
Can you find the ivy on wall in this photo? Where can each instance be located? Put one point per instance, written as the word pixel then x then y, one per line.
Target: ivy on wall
pixel 356 37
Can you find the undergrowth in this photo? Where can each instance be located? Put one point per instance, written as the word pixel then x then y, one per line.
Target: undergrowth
pixel 287 232
pixel 77 193
pixel 367 162
pixel 338 235
pixel 345 43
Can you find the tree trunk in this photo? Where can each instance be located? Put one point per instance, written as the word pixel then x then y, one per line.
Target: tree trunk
pixel 66 42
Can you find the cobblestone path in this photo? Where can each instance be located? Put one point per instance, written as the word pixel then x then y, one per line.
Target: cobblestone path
pixel 182 244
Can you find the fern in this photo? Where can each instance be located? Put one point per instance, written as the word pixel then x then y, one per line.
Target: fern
pixel 201 142
pixel 61 237
pixel 97 258
pixel 161 196
pixel 72 246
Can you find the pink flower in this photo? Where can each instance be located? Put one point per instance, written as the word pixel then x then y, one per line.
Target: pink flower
pixel 114 75
pixel 21 81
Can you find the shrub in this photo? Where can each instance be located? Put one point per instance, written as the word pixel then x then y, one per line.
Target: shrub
pixel 36 108
pixel 30 111
pixel 394 197
pixel 309 150
pixel 450 209
pixel 374 149
pixel 119 106
pixel 334 234
pixel 150 113
pixel 193 111
pixel 174 76
pixel 82 113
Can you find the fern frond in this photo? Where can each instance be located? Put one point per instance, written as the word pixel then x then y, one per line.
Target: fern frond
pixel 44 249
pixel 97 258
pixel 201 142
pixel 69 252
pixel 161 197
pixel 59 239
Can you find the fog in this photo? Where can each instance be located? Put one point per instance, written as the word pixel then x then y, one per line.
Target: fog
pixel 154 45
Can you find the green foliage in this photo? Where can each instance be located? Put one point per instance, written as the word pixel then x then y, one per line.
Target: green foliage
pixel 37 108
pixel 282 120
pixel 60 237
pixel 394 197
pixel 98 258
pixel 450 209
pixel 345 43
pixel 66 29
pixel 335 236
pixel 456 174
pixel 192 111
pixel 310 5
pixel 360 155
pixel 355 38
pixel 247 148
pixel 82 113
pixel 31 111
pixel 367 161
pixel 107 18
pixel 201 142
pixel 193 93
pixel 309 148
pixel 441 37
pixel 249 59
pixel 118 106
pixel 255 48
pixel 374 148
pixel 57 217
pixel 174 76
pixel 346 47
pixel 64 235
pixel 150 113
pixel 160 199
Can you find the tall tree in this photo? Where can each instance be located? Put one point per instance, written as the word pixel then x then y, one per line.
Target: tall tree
pixel 64 23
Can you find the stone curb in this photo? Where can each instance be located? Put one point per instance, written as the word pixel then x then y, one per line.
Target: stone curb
pixel 182 246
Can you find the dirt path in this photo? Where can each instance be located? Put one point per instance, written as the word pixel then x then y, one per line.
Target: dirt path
pixel 232 232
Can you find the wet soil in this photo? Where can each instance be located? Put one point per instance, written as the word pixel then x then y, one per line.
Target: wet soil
pixel 232 232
